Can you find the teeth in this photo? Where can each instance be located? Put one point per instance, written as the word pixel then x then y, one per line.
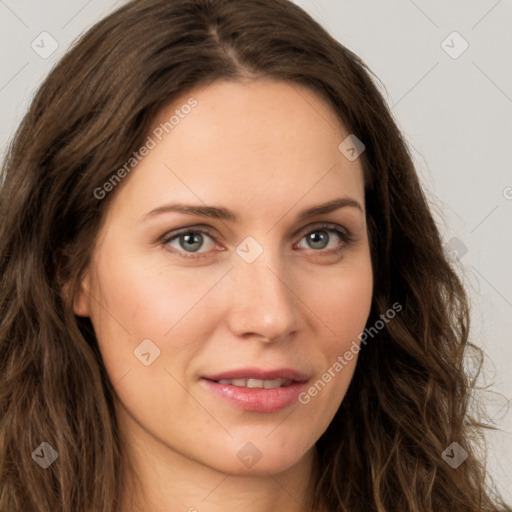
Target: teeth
pixel 271 384
pixel 256 383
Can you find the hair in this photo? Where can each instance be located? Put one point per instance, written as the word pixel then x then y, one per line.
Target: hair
pixel 409 396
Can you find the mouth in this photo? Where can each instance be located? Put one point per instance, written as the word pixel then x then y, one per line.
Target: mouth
pixel 257 390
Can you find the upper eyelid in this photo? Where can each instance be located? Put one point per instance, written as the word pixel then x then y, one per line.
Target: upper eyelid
pixel 208 229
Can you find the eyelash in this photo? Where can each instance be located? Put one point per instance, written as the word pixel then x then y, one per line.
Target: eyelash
pixel 330 228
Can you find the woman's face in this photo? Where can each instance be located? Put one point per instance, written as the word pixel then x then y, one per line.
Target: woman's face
pixel 254 291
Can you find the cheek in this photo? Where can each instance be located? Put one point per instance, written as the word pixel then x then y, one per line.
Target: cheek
pixel 341 301
pixel 342 305
pixel 135 301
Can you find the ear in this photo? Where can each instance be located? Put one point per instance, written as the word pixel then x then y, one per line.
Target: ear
pixel 81 302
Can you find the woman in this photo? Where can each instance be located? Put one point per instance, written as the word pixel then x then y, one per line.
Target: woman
pixel 221 282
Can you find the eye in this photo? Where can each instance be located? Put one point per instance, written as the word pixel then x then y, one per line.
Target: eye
pixel 320 237
pixel 189 241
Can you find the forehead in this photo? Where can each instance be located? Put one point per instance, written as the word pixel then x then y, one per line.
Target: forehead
pixel 247 144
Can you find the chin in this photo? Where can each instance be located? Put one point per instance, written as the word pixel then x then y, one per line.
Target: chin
pixel 261 454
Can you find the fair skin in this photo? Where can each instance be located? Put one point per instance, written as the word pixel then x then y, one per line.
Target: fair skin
pixel 267 151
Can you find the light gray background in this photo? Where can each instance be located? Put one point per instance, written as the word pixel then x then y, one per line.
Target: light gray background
pixel 456 114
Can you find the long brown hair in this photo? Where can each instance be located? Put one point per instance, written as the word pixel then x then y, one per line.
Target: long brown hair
pixel 408 399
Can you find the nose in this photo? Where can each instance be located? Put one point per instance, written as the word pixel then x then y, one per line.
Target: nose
pixel 264 304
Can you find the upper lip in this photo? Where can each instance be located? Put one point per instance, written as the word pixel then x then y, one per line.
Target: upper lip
pixel 259 373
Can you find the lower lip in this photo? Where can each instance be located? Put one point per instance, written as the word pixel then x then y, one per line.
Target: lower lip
pixel 257 399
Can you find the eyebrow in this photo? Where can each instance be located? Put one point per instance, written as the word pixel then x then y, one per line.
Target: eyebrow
pixel 221 213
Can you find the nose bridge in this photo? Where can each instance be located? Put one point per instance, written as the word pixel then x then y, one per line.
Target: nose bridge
pixel 263 302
